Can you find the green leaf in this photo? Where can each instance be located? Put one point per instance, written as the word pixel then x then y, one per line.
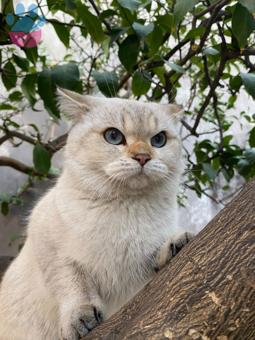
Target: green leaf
pixel 250 155
pixel 128 51
pixel 67 76
pixel 141 83
pixel 195 32
pixel 32 54
pixel 21 62
pixel 7 107
pixel 116 32
pixel 249 4
pixel 132 5
pixel 70 4
pixel 175 67
pixel 15 96
pixel 235 82
pixel 252 138
pixel 182 7
pixel 46 90
pixel 107 82
pixel 91 22
pixel 210 51
pixel 166 21
pixel 155 39
pixel 242 24
pixel 5 208
pixel 249 82
pixel 142 30
pixel 9 76
pixel 28 87
pixel 62 31
pixel 209 170
pixel 41 159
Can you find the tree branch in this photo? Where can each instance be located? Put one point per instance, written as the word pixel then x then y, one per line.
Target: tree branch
pixel 11 133
pixel 21 167
pixel 207 290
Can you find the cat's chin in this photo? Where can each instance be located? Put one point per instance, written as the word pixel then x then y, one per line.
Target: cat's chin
pixel 138 182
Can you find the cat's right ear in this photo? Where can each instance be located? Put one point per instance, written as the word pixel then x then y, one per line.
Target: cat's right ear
pixel 72 104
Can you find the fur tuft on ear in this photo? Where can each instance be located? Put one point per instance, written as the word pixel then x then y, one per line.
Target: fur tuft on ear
pixel 176 111
pixel 72 104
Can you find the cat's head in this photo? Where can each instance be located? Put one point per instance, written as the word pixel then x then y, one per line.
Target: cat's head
pixel 121 146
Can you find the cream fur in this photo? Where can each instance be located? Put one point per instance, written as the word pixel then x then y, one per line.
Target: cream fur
pixel 92 240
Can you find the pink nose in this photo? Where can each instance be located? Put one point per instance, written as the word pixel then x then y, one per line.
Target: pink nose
pixel 142 158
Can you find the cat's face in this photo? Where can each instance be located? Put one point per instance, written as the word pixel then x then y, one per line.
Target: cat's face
pixel 120 144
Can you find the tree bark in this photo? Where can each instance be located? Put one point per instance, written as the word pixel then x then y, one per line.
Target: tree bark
pixel 207 290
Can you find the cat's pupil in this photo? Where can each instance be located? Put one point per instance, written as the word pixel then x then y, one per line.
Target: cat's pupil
pixel 158 138
pixel 114 135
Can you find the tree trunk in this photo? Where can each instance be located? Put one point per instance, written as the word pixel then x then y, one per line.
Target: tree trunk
pixel 206 292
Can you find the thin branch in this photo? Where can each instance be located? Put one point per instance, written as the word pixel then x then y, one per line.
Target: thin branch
pixel 19 166
pixel 11 133
pixel 52 146
pixel 208 9
pixel 211 92
pixel 215 98
pixel 56 144
pixel 107 25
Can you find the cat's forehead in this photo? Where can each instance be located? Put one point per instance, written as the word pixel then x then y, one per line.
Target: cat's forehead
pixel 131 116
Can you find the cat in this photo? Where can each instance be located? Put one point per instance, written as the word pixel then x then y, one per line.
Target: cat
pixel 100 234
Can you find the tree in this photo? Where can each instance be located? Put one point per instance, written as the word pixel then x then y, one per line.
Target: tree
pixel 139 49
pixel 206 291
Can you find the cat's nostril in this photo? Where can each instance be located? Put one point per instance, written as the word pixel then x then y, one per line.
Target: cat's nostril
pixel 142 158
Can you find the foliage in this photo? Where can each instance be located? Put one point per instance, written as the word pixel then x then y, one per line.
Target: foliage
pixel 140 48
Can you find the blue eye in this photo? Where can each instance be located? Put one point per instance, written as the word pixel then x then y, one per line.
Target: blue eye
pixel 114 136
pixel 159 140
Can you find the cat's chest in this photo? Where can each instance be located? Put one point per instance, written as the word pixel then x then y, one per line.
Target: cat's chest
pixel 122 235
pixel 118 243
pixel 124 229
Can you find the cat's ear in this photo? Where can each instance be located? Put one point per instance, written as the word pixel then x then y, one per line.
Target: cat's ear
pixel 176 111
pixel 72 104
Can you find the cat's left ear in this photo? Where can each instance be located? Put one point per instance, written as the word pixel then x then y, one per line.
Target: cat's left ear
pixel 176 111
pixel 73 104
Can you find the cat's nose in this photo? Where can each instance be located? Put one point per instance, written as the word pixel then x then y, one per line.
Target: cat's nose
pixel 142 158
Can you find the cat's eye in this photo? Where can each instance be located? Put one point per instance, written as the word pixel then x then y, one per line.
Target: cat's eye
pixel 159 140
pixel 114 136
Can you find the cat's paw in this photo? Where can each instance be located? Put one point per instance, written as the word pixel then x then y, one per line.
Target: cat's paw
pixel 171 248
pixel 80 322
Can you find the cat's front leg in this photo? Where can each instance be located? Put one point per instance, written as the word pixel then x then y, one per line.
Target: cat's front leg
pixel 171 248
pixel 80 308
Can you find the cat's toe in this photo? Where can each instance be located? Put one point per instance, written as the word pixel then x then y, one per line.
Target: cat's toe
pixel 89 319
pixel 83 320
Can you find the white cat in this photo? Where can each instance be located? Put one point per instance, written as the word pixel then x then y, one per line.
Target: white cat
pixel 95 239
